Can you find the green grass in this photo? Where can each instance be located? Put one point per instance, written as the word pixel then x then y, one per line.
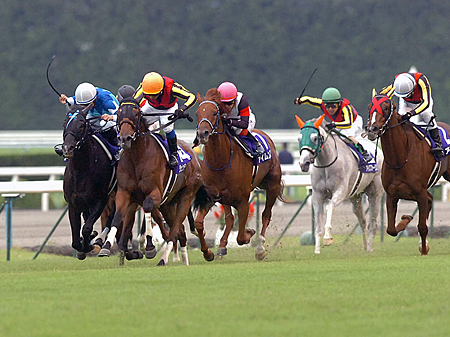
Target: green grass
pixel 342 292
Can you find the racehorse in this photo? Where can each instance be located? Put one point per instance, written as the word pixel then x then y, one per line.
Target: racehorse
pixel 144 179
pixel 232 174
pixel 335 177
pixel 89 179
pixel 409 169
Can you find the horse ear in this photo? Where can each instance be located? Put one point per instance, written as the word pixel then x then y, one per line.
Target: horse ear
pixel 374 92
pixel 299 122
pixel 199 97
pixel 319 121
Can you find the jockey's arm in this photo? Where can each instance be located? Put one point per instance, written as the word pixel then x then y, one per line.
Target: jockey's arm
pixel 425 91
pixel 314 101
pixel 346 122
pixel 179 91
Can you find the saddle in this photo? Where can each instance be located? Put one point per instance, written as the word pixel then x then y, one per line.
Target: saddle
pixel 248 145
pixel 422 133
pixel 370 167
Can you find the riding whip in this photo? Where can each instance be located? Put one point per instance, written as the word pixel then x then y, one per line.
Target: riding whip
pixel 48 79
pixel 306 84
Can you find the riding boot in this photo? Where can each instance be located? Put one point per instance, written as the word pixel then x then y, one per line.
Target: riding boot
pixel 366 155
pixel 438 151
pixel 259 147
pixel 173 148
pixel 58 149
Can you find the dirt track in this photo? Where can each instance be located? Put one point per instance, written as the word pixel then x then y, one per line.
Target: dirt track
pixel 30 228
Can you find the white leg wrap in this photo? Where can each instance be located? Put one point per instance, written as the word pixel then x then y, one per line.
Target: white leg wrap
pixel 165 256
pixel 112 235
pixel 184 256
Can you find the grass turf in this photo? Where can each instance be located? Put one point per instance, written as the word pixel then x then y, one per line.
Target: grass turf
pixel 344 291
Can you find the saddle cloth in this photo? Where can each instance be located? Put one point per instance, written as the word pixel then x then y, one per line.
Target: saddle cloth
pixel 248 145
pixel 421 130
pixel 370 167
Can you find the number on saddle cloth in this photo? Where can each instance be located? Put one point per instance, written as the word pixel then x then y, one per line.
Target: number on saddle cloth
pixel 370 167
pixel 248 144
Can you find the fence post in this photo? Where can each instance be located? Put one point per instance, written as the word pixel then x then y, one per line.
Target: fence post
pixel 8 217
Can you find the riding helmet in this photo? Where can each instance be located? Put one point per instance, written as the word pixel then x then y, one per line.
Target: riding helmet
pixel 228 91
pixel 85 93
pixel 404 84
pixel 331 95
pixel 152 83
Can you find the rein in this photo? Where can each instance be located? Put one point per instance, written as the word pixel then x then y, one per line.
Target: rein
pixel 335 148
pixel 214 131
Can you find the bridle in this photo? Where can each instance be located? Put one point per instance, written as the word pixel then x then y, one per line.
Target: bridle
pixel 320 143
pixel 214 131
pixel 376 107
pixel 79 140
pixel 135 124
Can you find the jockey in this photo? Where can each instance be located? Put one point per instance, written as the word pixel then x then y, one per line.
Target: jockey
pixel 124 92
pixel 414 93
pixel 241 118
pixel 159 94
pixel 103 105
pixel 342 114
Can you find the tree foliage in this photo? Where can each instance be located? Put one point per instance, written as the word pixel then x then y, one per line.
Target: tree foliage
pixel 268 48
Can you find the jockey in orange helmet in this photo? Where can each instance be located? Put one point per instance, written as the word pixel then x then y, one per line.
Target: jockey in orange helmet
pixel 158 94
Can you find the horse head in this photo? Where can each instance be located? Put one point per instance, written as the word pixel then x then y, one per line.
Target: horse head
pixel 381 111
pixel 209 114
pixel 129 118
pixel 75 130
pixel 310 141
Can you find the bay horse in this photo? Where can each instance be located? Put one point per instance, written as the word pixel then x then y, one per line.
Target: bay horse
pixel 409 169
pixel 232 174
pixel 89 179
pixel 335 177
pixel 144 178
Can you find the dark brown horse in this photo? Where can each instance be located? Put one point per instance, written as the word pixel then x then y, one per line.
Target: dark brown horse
pixel 143 178
pixel 230 173
pixel 89 180
pixel 409 169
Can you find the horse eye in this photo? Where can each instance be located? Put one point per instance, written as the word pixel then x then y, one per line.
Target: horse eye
pixel 300 137
pixel 314 138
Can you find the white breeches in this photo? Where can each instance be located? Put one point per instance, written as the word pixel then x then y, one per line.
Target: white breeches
pixel 148 109
pixel 355 130
pixel 424 117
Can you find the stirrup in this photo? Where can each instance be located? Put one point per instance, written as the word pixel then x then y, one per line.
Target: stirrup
pixel 173 161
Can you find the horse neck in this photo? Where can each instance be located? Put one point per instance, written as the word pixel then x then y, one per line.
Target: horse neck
pixel 80 163
pixel 394 142
pixel 329 150
pixel 218 150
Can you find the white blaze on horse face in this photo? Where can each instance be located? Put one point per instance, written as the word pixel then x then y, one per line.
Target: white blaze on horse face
pixel 372 118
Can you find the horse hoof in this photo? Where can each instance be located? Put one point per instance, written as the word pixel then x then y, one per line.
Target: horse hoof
pixel 209 256
pixel 427 247
pixel 96 249
pixel 161 263
pixel 81 255
pixel 222 251
pixel 260 253
pixel 104 252
pixel 150 254
pixel 327 242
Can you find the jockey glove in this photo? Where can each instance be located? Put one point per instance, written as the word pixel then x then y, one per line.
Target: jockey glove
pixel 406 116
pixel 330 125
pixel 179 113
pixel 228 122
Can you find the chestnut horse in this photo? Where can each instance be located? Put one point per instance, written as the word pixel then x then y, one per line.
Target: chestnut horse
pixel 409 169
pixel 143 178
pixel 230 173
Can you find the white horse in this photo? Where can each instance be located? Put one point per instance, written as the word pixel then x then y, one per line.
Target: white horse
pixel 335 177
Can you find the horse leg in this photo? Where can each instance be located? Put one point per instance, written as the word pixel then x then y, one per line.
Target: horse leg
pixel 95 213
pixel 229 223
pixel 359 212
pixel 142 233
pixel 328 238
pixel 126 235
pixel 271 198
pixel 75 226
pixel 183 246
pixel 122 202
pixel 317 202
pixel 391 209
pixel 208 255
pixel 374 212
pixel 244 234
pixel 424 204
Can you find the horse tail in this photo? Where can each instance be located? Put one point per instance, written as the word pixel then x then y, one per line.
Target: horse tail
pixel 281 195
pixel 205 198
